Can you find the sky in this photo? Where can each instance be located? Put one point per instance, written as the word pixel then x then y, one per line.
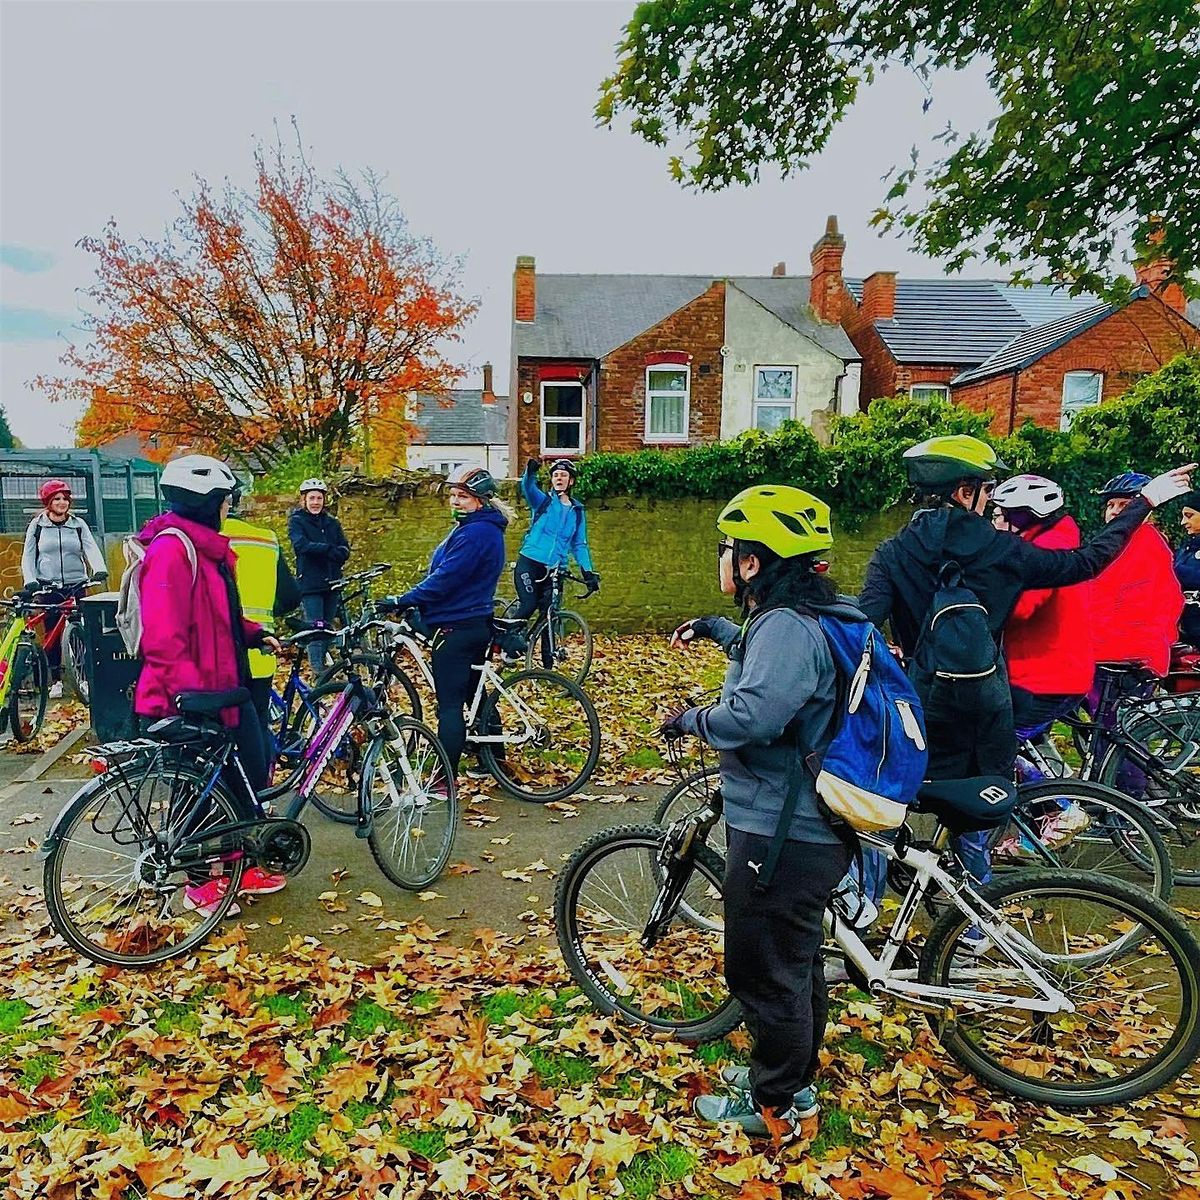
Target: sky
pixel 478 113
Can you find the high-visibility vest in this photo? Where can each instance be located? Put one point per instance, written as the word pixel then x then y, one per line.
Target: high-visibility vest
pixel 257 552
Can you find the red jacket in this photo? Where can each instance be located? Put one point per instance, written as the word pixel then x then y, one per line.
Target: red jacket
pixel 187 629
pixel 1047 640
pixel 1137 601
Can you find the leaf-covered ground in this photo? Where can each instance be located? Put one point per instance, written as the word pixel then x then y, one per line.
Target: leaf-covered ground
pixel 435 1068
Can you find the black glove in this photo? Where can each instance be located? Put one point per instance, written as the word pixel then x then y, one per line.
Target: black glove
pixel 671 729
pixel 592 580
pixel 533 466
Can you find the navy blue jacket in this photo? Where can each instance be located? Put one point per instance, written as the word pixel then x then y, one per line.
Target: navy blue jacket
pixel 1187 571
pixel 320 547
pixel 463 571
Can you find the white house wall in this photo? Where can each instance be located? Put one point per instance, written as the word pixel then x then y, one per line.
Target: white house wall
pixel 756 337
pixel 430 456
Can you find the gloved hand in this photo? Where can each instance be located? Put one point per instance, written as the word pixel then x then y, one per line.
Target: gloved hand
pixel 691 631
pixel 671 729
pixel 533 466
pixel 1169 485
pixel 592 580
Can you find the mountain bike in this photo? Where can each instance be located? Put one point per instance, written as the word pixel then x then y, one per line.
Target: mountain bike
pixel 562 637
pixel 175 808
pixel 1068 988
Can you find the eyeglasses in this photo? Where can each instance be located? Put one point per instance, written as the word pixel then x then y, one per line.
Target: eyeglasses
pixel 722 547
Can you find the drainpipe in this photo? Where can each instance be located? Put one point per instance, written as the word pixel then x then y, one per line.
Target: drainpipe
pixel 1012 403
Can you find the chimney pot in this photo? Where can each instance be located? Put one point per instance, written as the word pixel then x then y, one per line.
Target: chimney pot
pixel 826 288
pixel 525 289
pixel 780 268
pixel 489 396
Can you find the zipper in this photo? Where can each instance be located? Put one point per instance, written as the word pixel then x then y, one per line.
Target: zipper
pixel 910 724
pixel 954 608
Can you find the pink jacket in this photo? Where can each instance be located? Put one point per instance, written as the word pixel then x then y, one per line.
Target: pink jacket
pixel 187 631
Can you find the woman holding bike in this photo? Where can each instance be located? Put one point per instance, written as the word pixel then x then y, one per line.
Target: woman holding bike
pixel 60 558
pixel 1187 568
pixel 321 551
pixel 457 598
pixel 194 637
pixel 776 710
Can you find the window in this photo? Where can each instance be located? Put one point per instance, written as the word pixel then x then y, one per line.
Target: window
pixel 667 393
pixel 562 417
pixel 929 391
pixel 1081 389
pixel 774 396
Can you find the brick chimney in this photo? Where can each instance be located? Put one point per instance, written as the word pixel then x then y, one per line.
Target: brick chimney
pixel 1157 276
pixel 524 289
pixel 488 397
pixel 825 289
pixel 879 296
pixel 779 269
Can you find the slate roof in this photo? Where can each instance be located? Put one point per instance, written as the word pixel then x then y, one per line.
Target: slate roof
pixel 469 422
pixel 962 322
pixel 589 316
pixel 1193 312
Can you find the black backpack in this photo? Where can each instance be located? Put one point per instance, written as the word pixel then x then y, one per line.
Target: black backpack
pixel 956 642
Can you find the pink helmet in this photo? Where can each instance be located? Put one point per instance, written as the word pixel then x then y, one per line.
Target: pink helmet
pixel 52 488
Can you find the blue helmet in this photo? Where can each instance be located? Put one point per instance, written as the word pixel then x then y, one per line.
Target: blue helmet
pixel 1128 483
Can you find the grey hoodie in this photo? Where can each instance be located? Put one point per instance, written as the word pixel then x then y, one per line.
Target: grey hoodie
pixel 60 554
pixel 781 690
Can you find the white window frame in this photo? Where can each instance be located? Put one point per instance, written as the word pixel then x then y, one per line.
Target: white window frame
pixel 672 438
pixel 757 402
pixel 1066 416
pixel 939 391
pixel 579 420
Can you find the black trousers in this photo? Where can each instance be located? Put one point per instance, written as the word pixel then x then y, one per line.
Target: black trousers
pixel 773 958
pixel 457 649
pixel 532 581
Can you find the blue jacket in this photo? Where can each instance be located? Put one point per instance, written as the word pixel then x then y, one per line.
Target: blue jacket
pixel 463 571
pixel 559 533
pixel 320 547
pixel 1187 571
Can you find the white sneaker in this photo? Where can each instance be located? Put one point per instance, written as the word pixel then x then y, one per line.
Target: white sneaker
pixel 1063 826
pixel 56 690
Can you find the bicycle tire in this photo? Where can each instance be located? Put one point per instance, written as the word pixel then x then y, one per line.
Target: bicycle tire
pixel 436 792
pixel 561 758
pixel 373 666
pixel 74 661
pixel 1028 891
pixel 579 662
pixel 92 798
pixel 29 692
pixel 601 980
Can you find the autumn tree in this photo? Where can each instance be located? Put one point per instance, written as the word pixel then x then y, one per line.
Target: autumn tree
pixel 1098 128
pixel 266 321
pixel 6 436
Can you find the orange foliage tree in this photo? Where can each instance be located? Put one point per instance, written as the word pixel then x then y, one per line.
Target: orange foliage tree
pixel 266 321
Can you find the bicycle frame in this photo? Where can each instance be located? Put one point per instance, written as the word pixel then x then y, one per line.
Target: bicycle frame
pixel 8 648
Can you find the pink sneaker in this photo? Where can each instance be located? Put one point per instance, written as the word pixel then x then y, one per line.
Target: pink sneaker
pixel 256 882
pixel 205 898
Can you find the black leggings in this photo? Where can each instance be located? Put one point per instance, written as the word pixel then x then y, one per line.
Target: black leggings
pixel 773 957
pixel 532 581
pixel 457 649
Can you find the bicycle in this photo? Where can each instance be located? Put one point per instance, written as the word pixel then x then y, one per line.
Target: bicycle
pixel 536 732
pixel 175 806
pixel 1021 980
pixel 563 636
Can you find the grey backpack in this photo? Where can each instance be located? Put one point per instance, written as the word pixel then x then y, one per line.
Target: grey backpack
pixel 129 602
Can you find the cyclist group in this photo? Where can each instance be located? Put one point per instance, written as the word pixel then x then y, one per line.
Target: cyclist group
pixel 1027 568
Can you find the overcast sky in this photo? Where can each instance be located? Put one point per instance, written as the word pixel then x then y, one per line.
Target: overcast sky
pixel 478 113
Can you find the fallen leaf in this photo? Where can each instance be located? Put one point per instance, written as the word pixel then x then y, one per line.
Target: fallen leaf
pixel 369 898
pixel 227 1167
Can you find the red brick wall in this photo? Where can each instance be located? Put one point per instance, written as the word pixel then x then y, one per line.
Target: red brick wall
pixel 1136 341
pixel 527 443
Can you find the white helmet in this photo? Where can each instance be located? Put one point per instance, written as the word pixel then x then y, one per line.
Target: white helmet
pixel 1040 495
pixel 197 475
pixel 314 485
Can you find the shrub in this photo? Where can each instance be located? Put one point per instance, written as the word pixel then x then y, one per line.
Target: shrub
pixel 291 473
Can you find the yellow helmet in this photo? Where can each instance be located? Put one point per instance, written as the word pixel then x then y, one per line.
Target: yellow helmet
pixel 941 461
pixel 783 519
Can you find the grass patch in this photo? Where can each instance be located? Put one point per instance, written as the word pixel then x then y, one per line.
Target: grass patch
pixel 362 1112
pixel 38 1069
pixel 424 1001
pixel 561 1070
pixel 42 1123
pixel 283 1004
pixel 497 1007
pixel 329 1059
pixel 872 1052
pixel 99 1113
pixel 647 757
pixel 367 1017
pixel 254 1084
pixel 428 1143
pixel 287 1138
pixel 177 1016
pixel 719 1053
pixel 650 1169
pixel 12 1015
pixel 835 1131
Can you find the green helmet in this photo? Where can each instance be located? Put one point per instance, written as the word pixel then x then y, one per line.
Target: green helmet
pixel 783 519
pixel 943 461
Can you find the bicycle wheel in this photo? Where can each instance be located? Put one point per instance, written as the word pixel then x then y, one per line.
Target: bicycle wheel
pixel 409 788
pixel 74 660
pixel 1087 827
pixel 553 732
pixel 603 903
pixel 398 691
pixel 1134 1020
pixel 30 691
pixel 688 795
pixel 112 892
pixel 564 638
pixel 1167 779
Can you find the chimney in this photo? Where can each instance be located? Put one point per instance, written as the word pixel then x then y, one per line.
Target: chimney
pixel 779 269
pixel 826 288
pixel 879 296
pixel 1158 274
pixel 524 289
pixel 488 397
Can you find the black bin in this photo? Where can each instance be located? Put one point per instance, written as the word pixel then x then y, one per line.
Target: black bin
pixel 112 670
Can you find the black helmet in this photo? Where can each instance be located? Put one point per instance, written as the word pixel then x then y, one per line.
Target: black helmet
pixel 564 464
pixel 480 483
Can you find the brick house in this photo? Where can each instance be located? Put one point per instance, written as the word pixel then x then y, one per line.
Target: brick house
pixel 469 427
pixel 1019 352
pixel 622 362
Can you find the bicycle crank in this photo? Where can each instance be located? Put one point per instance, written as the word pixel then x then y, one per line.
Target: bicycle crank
pixel 279 845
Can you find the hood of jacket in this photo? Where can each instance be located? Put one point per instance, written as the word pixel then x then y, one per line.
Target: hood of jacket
pixel 208 542
pixel 487 515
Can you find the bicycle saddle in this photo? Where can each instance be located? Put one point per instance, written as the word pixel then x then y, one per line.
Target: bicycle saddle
pixel 179 729
pixel 208 704
pixel 963 805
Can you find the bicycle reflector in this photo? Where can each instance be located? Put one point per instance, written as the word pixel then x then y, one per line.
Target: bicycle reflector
pixel 99 764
